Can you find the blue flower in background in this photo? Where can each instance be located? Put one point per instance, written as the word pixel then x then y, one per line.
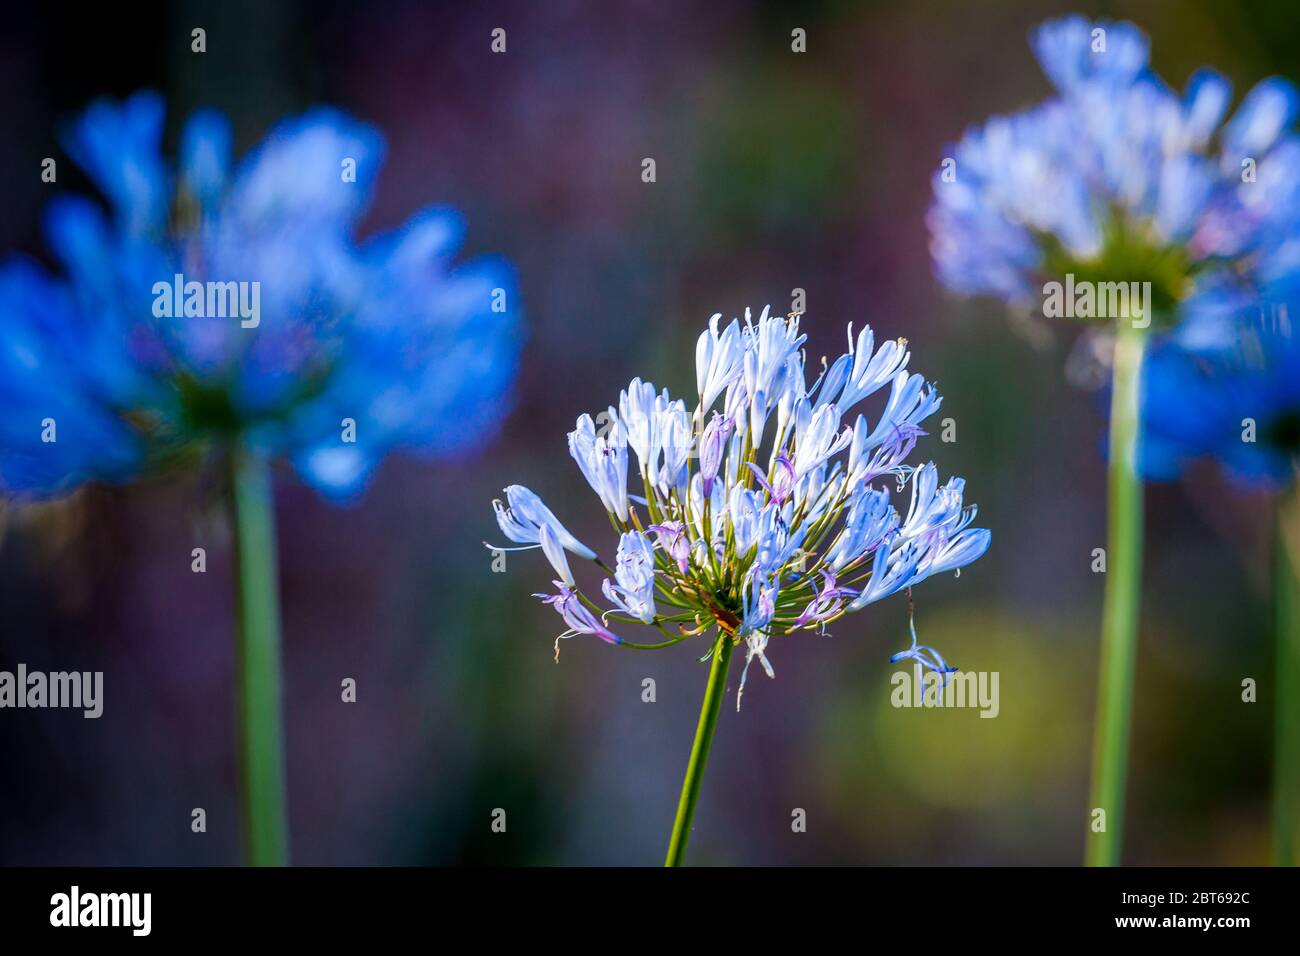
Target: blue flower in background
pixel 1116 187
pixel 1237 405
pixel 229 310
pixel 1118 177
pixel 325 350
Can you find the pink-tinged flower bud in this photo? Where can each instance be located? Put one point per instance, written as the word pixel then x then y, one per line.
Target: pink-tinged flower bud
pixel 713 444
pixel 673 539
pixel 779 482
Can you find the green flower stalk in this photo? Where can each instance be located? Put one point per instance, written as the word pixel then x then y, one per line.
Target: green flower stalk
pixel 709 711
pixel 1286 682
pixel 1121 603
pixel 261 734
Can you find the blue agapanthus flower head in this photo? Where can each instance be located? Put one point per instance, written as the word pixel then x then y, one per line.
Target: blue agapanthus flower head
pixel 1117 177
pixel 1237 403
pixel 768 515
pixel 215 300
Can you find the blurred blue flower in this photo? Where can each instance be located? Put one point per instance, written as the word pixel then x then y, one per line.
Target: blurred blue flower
pixel 1117 177
pixel 1237 405
pixel 357 348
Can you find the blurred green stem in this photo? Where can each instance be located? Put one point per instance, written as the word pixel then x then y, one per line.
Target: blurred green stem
pixel 714 691
pixel 265 837
pixel 1286 694
pixel 1120 610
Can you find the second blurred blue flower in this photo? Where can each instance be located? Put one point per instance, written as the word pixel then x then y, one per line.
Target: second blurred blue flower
pixel 214 300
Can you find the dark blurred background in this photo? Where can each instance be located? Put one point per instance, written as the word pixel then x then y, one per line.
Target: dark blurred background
pixel 775 171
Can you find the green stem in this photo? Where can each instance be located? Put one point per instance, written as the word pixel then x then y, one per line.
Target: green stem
pixel 1120 610
pixel 1286 695
pixel 714 691
pixel 265 834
